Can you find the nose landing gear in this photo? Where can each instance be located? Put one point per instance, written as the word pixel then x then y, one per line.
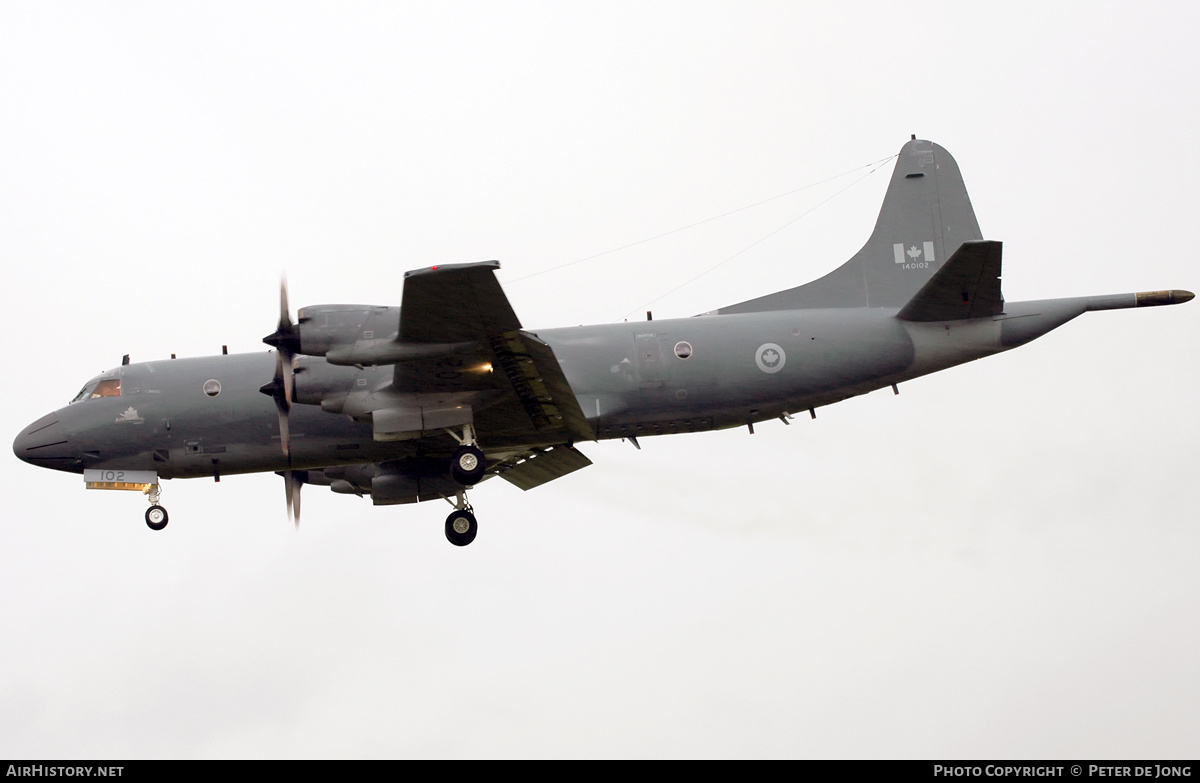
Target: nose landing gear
pixel 156 515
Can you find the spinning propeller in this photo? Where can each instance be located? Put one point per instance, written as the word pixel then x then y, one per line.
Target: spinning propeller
pixel 286 341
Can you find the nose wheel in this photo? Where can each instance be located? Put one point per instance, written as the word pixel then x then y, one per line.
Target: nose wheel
pixel 461 526
pixel 156 517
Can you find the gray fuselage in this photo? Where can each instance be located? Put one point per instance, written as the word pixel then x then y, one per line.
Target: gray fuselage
pixel 642 378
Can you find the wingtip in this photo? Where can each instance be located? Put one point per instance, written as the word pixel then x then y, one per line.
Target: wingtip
pixel 1156 298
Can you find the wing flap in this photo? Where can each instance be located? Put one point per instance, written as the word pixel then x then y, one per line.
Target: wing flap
pixel 544 466
pixel 534 372
pixel 967 286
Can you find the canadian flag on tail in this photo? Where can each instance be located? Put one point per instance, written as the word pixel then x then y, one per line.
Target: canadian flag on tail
pixel 913 253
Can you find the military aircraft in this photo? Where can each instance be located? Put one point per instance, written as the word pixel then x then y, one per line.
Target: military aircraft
pixel 423 401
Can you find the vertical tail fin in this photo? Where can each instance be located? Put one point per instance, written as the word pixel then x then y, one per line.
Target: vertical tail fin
pixel 926 216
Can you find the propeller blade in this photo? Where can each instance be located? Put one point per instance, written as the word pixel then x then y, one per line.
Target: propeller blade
pixel 292 482
pixel 282 402
pixel 283 431
pixel 298 483
pixel 286 336
pixel 288 375
pixel 285 314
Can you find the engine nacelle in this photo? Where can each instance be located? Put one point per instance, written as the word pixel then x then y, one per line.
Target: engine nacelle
pixel 318 381
pixel 326 327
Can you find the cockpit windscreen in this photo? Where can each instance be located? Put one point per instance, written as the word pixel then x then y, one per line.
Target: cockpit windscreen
pixel 107 387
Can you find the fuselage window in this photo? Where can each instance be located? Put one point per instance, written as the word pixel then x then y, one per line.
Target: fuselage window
pixel 683 349
pixel 109 388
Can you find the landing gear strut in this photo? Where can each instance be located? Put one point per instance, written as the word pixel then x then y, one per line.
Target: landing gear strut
pixel 461 526
pixel 156 515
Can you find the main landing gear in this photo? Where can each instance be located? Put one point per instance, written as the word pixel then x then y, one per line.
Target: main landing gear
pixel 467 468
pixel 156 515
pixel 468 464
pixel 461 526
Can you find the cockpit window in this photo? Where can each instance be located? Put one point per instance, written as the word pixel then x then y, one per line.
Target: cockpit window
pixel 84 392
pixel 110 387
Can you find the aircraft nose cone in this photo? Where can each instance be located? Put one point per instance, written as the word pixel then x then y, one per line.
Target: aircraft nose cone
pixel 44 442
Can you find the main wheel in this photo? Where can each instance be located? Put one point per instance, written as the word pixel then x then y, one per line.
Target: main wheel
pixel 461 528
pixel 467 466
pixel 156 517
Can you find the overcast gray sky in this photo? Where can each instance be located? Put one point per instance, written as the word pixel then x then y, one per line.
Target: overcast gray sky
pixel 999 562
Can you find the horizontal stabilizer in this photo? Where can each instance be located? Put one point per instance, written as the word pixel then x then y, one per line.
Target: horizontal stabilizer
pixel 967 286
pixel 544 466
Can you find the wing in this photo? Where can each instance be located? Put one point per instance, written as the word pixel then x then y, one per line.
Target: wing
pixel 461 357
pixel 454 303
